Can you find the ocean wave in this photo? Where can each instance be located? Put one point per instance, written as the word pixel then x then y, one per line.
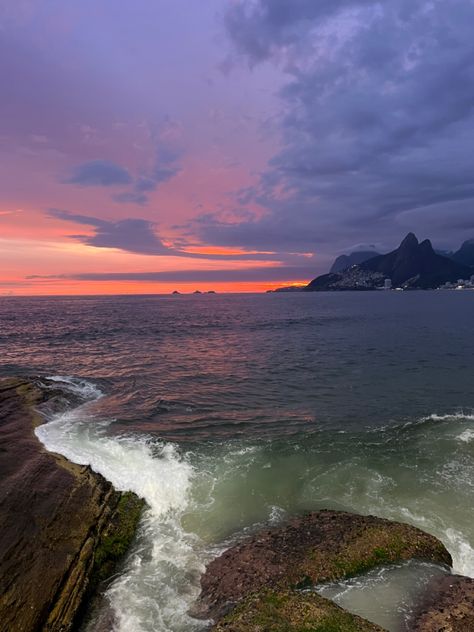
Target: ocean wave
pixel 203 501
pixel 457 415
pixel 160 578
pixel 86 390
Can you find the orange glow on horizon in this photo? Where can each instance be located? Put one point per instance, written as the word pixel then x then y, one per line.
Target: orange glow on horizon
pixel 59 287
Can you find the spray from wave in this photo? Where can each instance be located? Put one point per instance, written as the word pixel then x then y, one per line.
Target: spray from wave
pixel 160 579
pixel 421 472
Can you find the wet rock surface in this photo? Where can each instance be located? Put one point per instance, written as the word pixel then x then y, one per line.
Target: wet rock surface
pixel 62 527
pixel 449 608
pixel 318 547
pixel 284 611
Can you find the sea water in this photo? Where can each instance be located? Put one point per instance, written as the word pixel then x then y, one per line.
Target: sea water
pixel 228 413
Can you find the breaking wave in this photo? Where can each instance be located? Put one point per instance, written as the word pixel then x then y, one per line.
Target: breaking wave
pixel 200 501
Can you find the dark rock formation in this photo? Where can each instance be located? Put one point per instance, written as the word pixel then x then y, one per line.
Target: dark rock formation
pixel 289 288
pixel 412 265
pixel 450 606
pixel 416 265
pixel 465 254
pixel 319 547
pixel 355 258
pixel 287 611
pixel 63 528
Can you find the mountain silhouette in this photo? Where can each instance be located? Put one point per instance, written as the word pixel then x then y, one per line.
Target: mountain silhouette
pixel 346 261
pixel 413 265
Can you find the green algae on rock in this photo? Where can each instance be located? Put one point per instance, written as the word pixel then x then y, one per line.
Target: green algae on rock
pixel 319 547
pixel 63 526
pixel 292 611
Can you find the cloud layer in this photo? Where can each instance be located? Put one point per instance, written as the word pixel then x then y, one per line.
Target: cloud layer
pixel 139 236
pixel 99 173
pixel 377 121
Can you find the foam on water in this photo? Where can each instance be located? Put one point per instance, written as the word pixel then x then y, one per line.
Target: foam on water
pixel 203 501
pixel 84 389
pixel 459 415
pixel 467 436
pixel 161 575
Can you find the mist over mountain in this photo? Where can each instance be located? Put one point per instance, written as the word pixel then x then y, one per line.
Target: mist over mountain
pixel 354 258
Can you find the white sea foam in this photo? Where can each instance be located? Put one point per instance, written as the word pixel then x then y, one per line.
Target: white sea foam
pixel 160 579
pixel 277 515
pixel 461 552
pixel 83 388
pixel 467 436
pixel 458 415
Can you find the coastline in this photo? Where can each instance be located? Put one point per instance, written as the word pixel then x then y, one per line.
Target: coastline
pixel 64 527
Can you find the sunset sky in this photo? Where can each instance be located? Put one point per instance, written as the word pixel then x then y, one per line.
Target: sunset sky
pixel 234 145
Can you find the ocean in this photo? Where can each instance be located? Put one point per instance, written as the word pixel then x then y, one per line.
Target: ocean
pixel 231 412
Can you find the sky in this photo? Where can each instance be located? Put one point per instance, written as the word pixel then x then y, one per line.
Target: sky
pixel 231 145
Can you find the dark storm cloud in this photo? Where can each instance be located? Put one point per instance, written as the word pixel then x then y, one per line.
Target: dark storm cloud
pixel 139 236
pixel 102 173
pixel 259 28
pixel 377 121
pixel 284 273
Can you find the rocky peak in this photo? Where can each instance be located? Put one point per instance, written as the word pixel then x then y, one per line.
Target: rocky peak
pixel 426 248
pixel 409 243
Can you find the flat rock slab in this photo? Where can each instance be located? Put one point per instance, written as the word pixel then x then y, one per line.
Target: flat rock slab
pixel 450 607
pixel 318 547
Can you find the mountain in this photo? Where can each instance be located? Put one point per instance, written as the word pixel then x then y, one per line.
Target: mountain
pixel 465 254
pixel 346 261
pixel 412 265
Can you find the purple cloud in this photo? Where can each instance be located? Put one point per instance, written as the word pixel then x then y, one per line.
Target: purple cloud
pixel 99 173
pixel 139 236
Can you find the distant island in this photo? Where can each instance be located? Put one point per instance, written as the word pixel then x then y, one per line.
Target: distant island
pixel 413 265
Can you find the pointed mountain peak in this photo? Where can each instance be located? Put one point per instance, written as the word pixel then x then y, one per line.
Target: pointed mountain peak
pixel 426 247
pixel 410 241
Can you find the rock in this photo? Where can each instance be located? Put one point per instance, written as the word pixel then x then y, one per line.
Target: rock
pixel 318 547
pixel 450 606
pixel 63 527
pixel 287 611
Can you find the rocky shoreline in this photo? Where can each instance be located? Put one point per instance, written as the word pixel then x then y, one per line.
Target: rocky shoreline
pixel 63 527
